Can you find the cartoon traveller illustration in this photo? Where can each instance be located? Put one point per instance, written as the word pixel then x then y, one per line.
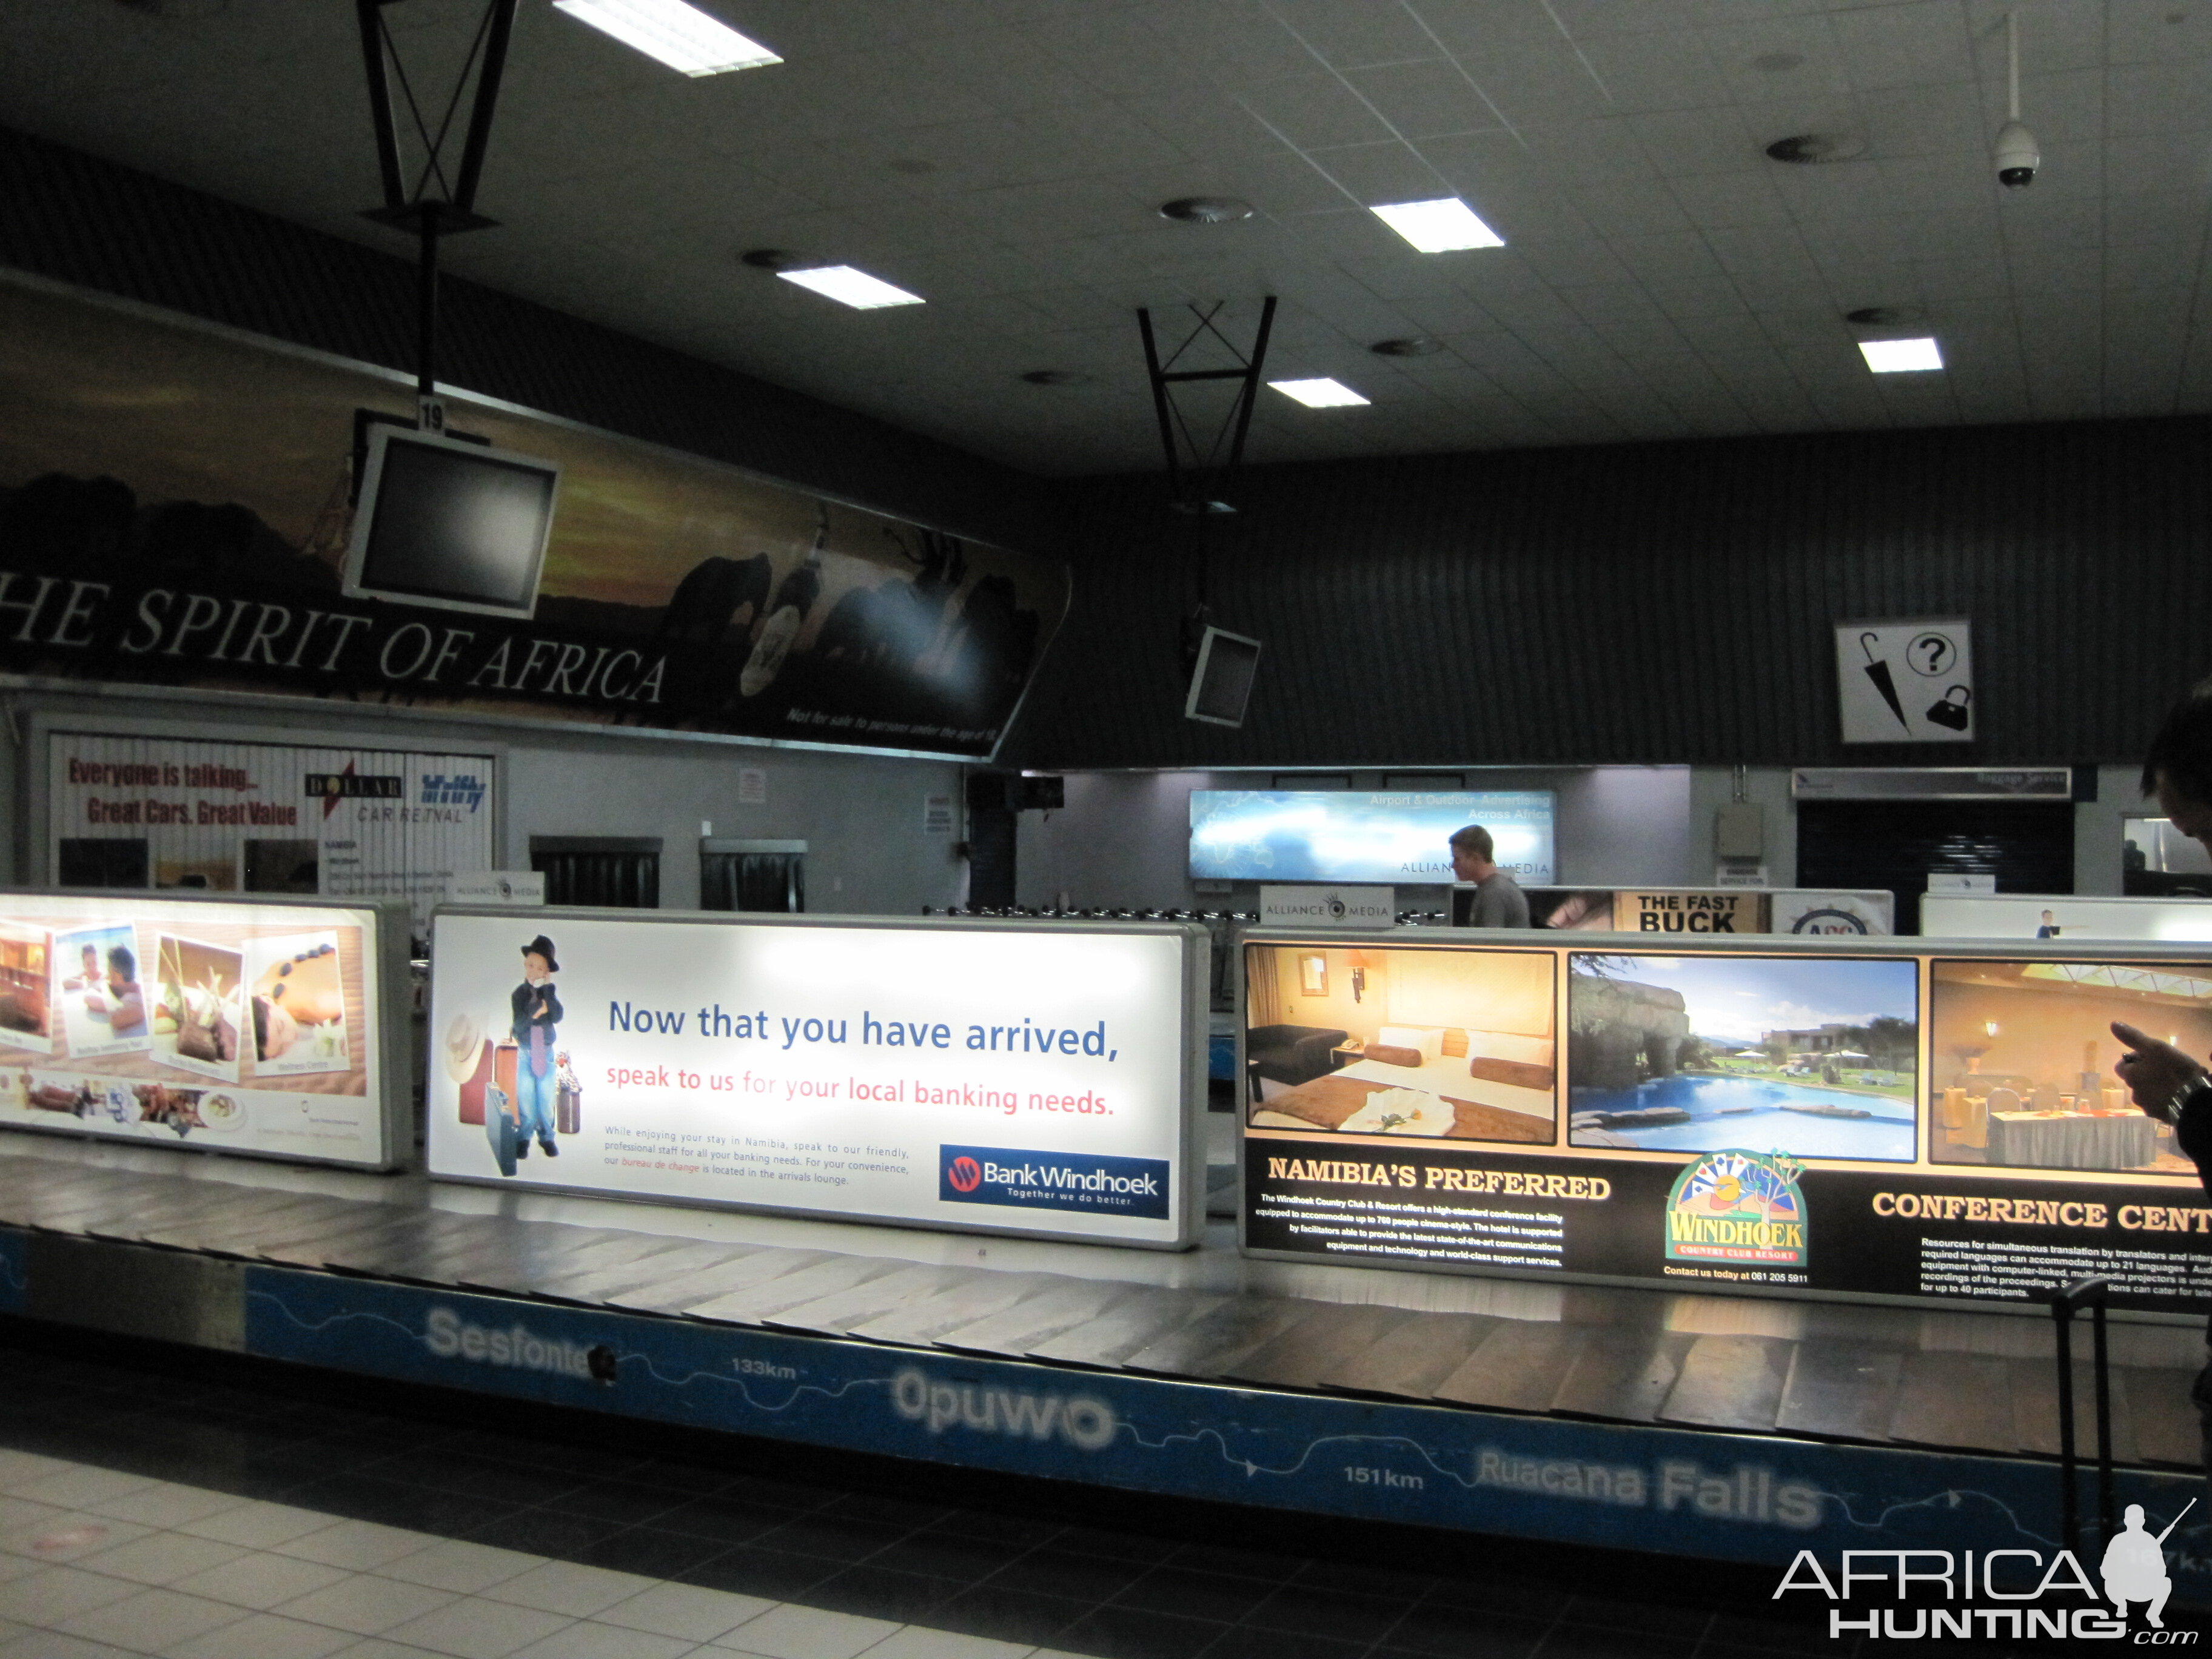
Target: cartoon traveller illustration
pixel 2135 1566
pixel 538 1014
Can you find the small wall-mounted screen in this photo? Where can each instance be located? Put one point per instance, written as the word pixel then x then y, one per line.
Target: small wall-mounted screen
pixel 451 524
pixel 1221 682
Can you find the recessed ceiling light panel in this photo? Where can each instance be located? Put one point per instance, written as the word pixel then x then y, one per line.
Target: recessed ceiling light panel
pixel 1443 226
pixel 851 288
pixel 682 37
pixel 1319 393
pixel 1902 356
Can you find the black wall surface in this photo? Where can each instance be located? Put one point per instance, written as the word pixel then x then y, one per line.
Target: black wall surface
pixel 77 219
pixel 1648 603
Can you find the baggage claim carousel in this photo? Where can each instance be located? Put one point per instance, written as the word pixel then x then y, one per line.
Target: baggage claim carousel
pixel 1718 1427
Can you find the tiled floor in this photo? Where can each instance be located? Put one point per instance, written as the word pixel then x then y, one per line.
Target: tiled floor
pixel 153 1502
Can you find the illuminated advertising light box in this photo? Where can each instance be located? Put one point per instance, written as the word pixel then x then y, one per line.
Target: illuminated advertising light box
pixel 1388 837
pixel 2058 916
pixel 1714 910
pixel 984 1076
pixel 265 1027
pixel 1864 1118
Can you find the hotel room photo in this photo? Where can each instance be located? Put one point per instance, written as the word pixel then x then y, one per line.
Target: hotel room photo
pixel 2023 1053
pixel 1457 1044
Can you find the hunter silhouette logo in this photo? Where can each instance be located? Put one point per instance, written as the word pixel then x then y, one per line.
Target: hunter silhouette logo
pixel 965 1174
pixel 2134 1568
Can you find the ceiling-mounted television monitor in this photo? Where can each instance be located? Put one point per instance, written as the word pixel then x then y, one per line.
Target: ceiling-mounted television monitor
pixel 451 524
pixel 1396 838
pixel 1221 680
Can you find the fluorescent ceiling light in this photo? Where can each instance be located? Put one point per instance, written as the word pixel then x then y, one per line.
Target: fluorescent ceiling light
pixel 1901 357
pixel 682 37
pixel 1322 394
pixel 1443 226
pixel 849 286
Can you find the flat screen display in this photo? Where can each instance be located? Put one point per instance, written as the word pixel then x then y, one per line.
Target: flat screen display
pixel 1396 837
pixel 978 1076
pixel 451 524
pixel 216 1026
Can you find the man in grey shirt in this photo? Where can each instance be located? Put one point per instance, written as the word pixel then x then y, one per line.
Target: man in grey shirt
pixel 1498 900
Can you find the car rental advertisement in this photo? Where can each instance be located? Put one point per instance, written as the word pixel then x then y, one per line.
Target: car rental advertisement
pixel 1853 1117
pixel 977 1075
pixel 222 1026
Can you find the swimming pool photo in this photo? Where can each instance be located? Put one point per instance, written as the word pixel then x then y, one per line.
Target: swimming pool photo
pixel 1751 1115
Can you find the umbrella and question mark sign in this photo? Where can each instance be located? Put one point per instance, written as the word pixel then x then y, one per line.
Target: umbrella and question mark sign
pixel 1929 655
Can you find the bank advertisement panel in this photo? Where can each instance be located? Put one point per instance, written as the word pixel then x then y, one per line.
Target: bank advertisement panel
pixel 978 1075
pixel 1845 1117
pixel 223 1026
pixel 193 815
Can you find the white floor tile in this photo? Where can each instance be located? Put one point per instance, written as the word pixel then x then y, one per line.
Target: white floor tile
pixel 585 1640
pixel 360 1546
pixel 151 1619
pixel 13 1567
pixel 16 1465
pixel 452 1564
pixel 53 1594
pixel 376 1647
pixel 685 1610
pixel 165 1504
pixel 916 1643
pixel 75 1487
pixel 69 1536
pixel 795 1632
pixel 23 1512
pixel 259 1579
pixel 160 1557
pixel 570 1588
pixel 263 1635
pixel 258 1526
pixel 471 1628
pixel 52 1644
pixel 366 1606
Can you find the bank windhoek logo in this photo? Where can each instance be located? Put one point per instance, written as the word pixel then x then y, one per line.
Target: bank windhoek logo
pixel 1738 1206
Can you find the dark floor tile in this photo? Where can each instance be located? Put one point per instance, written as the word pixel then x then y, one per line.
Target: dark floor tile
pixel 544 1532
pixel 835 1537
pixel 1465 1633
pixel 1597 1642
pixel 1138 1633
pixel 1528 1598
pixel 1363 1581
pixel 1618 1613
pixel 394 1503
pixel 885 1509
pixel 789 1494
pixel 1269 1566
pixel 1212 1595
pixel 1112 1545
pixel 970 1560
pixel 1773 1635
pixel 1008 1615
pixel 1319 1612
pixel 734 1519
pixel 1243 1642
pixel 1028 1531
pixel 619 1500
pixel 772 1573
pixel 652 1553
pixel 475 1477
pixel 687 1479
pixel 875 1592
pixel 586 1463
pixel 1063 1572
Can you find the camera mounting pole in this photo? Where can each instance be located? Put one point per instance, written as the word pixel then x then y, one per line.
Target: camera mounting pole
pixel 450 207
pixel 1214 461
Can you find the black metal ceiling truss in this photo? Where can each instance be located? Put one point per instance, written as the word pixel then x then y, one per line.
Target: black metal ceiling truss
pixel 439 204
pixel 1202 462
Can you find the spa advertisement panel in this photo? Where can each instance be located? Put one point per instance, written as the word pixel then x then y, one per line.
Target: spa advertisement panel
pixel 981 1076
pixel 217 1026
pixel 1849 1117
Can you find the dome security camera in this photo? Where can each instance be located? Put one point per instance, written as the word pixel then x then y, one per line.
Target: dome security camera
pixel 2017 157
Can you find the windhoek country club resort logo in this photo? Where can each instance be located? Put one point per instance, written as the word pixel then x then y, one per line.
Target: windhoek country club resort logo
pixel 1738 1206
